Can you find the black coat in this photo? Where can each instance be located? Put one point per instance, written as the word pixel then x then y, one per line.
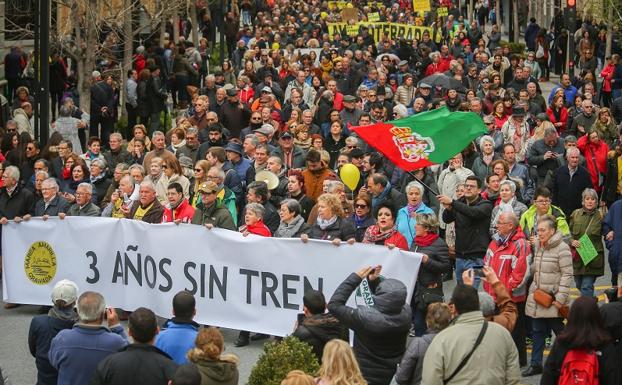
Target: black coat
pixel 43 329
pixel 380 331
pixel 235 118
pixel 136 364
pixel 318 329
pixel 567 192
pixel 271 217
pixel 56 206
pixel 610 187
pixel 341 229
pixel 472 226
pixel 101 96
pixel 101 188
pixel 438 263
pixel 19 204
pixel 157 95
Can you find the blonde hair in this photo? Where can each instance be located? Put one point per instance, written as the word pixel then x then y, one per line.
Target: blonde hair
pixel 209 344
pixel 298 377
pixel 339 366
pixel 333 203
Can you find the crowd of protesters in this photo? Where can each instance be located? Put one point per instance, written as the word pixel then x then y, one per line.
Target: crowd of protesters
pixel 511 213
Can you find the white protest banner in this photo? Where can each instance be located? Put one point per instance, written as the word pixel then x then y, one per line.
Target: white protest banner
pixel 246 283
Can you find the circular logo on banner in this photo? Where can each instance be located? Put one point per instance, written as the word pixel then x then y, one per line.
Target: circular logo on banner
pixel 40 263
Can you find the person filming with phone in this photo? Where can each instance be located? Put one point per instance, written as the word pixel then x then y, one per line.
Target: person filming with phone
pixel 380 325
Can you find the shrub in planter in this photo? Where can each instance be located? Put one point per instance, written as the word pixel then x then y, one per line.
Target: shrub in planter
pixel 279 358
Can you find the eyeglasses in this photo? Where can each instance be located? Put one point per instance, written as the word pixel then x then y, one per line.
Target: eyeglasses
pixel 256 118
pixel 360 206
pixel 198 170
pixel 542 201
pixel 350 147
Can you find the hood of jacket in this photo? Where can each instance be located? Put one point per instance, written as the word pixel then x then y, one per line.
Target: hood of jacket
pixel 220 371
pixel 390 296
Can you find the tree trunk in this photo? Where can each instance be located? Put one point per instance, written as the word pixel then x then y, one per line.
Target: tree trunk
pixel 195 23
pixel 176 25
pixel 128 48
pixel 163 21
pixel 515 20
pixel 610 22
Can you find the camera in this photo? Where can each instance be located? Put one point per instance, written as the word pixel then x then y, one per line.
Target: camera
pixel 477 271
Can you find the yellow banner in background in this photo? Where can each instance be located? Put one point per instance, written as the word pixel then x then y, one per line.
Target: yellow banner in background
pixel 421 5
pixel 378 30
pixel 332 5
pixel 442 11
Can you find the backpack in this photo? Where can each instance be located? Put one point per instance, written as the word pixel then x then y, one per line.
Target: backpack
pixel 579 367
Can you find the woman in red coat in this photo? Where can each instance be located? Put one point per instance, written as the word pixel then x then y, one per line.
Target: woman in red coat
pixel 594 149
pixel 558 113
pixel 384 231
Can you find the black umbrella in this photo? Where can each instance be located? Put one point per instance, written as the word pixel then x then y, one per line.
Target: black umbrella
pixel 443 81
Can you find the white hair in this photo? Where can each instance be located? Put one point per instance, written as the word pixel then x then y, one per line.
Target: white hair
pixel 87 186
pixel 415 184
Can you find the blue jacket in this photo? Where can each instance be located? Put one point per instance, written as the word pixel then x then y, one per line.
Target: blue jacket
pixel 406 224
pixel 613 222
pixel 76 352
pixel 177 339
pixel 569 94
pixel 43 329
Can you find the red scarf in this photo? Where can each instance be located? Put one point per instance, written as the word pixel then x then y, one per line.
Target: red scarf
pixel 425 240
pixel 66 173
pixel 259 228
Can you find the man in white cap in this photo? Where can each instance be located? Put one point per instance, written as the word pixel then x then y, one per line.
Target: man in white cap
pixel 76 352
pixel 44 327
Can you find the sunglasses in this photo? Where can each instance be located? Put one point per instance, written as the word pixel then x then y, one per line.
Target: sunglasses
pixel 360 206
pixel 198 170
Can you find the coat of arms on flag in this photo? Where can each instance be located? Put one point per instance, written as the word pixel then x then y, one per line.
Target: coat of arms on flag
pixel 412 146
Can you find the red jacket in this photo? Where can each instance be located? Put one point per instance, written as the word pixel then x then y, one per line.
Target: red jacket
pixel 398 240
pixel 184 211
pixel 563 118
pixel 595 158
pixel 509 261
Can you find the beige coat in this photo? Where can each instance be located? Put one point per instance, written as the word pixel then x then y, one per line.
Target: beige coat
pixel 494 362
pixel 552 272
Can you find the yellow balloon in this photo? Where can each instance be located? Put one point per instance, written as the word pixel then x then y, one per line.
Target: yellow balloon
pixel 350 175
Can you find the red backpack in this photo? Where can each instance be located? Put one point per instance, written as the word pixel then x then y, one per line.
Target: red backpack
pixel 580 367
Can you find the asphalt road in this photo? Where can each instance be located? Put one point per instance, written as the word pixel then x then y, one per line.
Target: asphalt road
pixel 17 361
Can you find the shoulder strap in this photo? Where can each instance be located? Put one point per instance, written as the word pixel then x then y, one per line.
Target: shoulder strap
pixel 479 339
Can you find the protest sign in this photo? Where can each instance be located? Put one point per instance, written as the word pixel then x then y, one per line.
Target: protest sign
pixel 373 17
pixel 421 5
pixel 586 250
pixel 392 30
pixel 442 11
pixel 245 283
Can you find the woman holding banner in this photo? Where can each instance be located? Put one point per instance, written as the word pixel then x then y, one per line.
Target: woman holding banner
pixel 384 231
pixel 330 225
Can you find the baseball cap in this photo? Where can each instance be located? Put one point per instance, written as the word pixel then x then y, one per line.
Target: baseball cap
pixel 286 135
pixel 65 290
pixel 208 187
pixel 266 89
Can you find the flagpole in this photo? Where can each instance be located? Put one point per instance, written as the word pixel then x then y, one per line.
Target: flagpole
pixel 424 185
